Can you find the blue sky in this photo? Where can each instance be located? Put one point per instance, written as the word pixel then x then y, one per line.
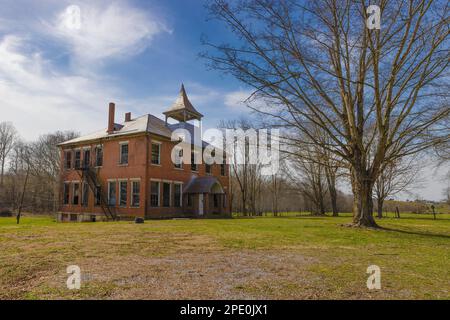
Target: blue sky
pixel 135 53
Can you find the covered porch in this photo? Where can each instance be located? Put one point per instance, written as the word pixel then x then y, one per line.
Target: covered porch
pixel 205 198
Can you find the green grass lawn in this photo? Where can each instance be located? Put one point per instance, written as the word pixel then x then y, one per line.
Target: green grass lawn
pixel 246 258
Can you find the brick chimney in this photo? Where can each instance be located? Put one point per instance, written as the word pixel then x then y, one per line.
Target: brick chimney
pixel 127 116
pixel 112 110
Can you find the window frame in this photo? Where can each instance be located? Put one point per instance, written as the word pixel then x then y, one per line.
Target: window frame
pixel 76 194
pixel 68 159
pixel 180 197
pixel 193 164
pixel 121 153
pixel 133 193
pixel 159 144
pixel 88 151
pixel 165 183
pixel 84 194
pixel 66 193
pixel 98 196
pixel 158 183
pixel 97 148
pixel 77 151
pixel 179 166
pixel 121 193
pixel 110 204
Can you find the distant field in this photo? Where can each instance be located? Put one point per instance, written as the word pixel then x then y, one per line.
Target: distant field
pixel 255 258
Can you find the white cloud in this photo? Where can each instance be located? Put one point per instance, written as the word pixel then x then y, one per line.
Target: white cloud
pixel 238 100
pixel 38 99
pixel 114 30
pixel 39 95
pixel 245 101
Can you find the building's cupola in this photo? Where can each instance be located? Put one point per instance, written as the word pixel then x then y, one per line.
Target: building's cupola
pixel 183 110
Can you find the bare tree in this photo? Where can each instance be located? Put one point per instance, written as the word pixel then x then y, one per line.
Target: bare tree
pixel 316 62
pixel 398 176
pixel 307 175
pixel 7 136
pixel 46 160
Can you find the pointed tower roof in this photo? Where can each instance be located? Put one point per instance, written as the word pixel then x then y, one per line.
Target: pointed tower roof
pixel 182 109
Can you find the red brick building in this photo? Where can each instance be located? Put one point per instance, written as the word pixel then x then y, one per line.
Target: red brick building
pixel 127 171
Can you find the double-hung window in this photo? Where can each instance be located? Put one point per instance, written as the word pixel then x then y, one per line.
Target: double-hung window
pixel 87 158
pixel 179 161
pixel 135 193
pixel 156 153
pixel 66 192
pixel 111 193
pixel 99 156
pixel 76 193
pixel 77 159
pixel 177 200
pixel 166 194
pixel 154 194
pixel 123 153
pixel 68 159
pixel 123 186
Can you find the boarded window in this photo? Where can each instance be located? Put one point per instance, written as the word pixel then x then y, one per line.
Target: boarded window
pixel 112 193
pixel 136 193
pixel 166 194
pixel 124 153
pixel 154 196
pixel 123 186
pixel 156 153
pixel 177 195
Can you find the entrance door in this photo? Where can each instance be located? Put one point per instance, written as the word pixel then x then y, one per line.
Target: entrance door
pixel 200 204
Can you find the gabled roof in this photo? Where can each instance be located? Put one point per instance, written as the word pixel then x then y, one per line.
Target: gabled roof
pixel 182 109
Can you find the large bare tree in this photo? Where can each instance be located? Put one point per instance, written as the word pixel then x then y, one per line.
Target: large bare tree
pixel 377 94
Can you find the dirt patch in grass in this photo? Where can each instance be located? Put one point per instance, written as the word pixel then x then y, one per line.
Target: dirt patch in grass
pixel 199 274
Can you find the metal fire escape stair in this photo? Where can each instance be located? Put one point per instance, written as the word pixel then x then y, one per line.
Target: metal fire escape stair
pixel 88 175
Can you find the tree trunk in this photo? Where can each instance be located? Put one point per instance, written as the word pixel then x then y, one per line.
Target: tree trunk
pixel 331 181
pixel 19 213
pixel 333 199
pixel 362 187
pixel 380 207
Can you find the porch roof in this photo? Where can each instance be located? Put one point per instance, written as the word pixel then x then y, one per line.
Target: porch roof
pixel 204 185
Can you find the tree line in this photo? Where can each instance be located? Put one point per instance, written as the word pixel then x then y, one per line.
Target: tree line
pixel 30 171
